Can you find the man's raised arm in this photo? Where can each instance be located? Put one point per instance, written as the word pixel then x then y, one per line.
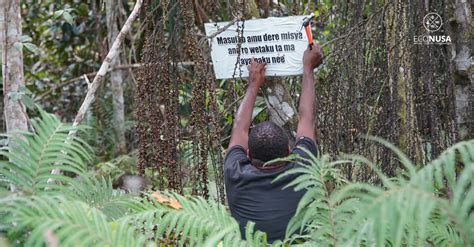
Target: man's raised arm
pixel 306 109
pixel 243 117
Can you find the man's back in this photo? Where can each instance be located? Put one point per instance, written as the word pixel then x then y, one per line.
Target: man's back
pixel 253 197
pixel 250 192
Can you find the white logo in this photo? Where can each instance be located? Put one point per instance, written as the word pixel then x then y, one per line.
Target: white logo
pixel 432 22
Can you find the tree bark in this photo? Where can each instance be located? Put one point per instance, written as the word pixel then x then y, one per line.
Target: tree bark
pixel 401 76
pixel 280 104
pixel 16 119
pixel 12 65
pixel 462 33
pixel 116 77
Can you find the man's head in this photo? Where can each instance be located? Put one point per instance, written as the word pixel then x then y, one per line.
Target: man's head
pixel 267 141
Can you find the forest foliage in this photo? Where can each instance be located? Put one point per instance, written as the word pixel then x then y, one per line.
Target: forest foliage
pixel 430 205
pixel 359 191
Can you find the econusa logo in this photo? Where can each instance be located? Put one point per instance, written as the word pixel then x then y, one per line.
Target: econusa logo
pixel 432 39
pixel 432 23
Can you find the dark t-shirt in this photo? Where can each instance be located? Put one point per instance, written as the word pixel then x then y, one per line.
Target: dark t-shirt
pixel 253 197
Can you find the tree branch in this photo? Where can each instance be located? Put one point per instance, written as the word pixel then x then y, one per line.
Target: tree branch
pixel 220 30
pixel 113 52
pixel 48 93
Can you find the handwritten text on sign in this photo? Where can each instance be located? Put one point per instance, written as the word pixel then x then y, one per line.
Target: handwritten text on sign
pixel 275 41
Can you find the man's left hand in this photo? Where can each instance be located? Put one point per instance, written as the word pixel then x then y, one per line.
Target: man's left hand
pixel 256 73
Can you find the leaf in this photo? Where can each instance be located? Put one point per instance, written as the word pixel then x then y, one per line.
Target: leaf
pixel 68 17
pixel 24 89
pixel 31 47
pixel 256 111
pixel 18 46
pixel 166 200
pixel 316 13
pixel 4 142
pixel 73 223
pixel 33 157
pixel 25 39
pixel 14 96
pixel 28 101
pixel 58 13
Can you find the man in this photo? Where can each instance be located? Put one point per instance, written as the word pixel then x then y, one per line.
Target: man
pixel 250 192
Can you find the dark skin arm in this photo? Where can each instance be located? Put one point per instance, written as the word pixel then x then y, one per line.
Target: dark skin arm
pixel 243 117
pixel 306 109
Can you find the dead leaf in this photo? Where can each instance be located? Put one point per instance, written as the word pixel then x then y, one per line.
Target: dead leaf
pixel 171 202
pixel 159 197
pixel 175 204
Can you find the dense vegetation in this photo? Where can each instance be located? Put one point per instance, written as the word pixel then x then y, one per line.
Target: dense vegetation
pixel 161 115
pixel 421 205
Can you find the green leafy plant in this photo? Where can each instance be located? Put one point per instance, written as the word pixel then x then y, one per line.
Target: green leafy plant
pixel 430 206
pixel 196 222
pixel 427 206
pixel 35 155
pixel 73 223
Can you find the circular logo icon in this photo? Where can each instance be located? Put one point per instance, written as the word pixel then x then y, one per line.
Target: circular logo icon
pixel 432 22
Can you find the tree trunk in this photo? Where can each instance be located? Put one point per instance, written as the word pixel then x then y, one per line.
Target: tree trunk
pixel 12 65
pixel 116 77
pixel 16 119
pixel 400 76
pixel 280 104
pixel 462 33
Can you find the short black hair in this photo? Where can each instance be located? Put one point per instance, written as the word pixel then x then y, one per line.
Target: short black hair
pixel 268 141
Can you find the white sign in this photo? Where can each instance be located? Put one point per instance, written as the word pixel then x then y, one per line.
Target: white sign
pixel 278 41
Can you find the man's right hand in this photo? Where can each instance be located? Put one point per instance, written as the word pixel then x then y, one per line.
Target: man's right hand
pixel 312 58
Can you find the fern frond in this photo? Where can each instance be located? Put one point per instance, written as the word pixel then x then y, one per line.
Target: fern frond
pixel 197 223
pixel 462 204
pixel 316 212
pixel 404 160
pixel 404 212
pixel 397 215
pixel 73 223
pixel 440 176
pixel 33 156
pixel 444 167
pixel 99 193
pixel 442 233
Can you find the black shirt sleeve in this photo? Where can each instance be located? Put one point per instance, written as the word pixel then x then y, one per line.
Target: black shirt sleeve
pixel 234 156
pixel 302 144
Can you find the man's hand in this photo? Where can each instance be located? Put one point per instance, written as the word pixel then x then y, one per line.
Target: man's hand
pixel 312 58
pixel 256 73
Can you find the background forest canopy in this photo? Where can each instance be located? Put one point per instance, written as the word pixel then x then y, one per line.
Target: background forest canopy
pixel 160 116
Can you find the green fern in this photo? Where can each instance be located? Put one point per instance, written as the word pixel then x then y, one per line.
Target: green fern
pixel 98 193
pixel 73 223
pixel 403 211
pixel 197 223
pixel 442 233
pixel 317 213
pixel 35 155
pixel 87 211
pixel 427 206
